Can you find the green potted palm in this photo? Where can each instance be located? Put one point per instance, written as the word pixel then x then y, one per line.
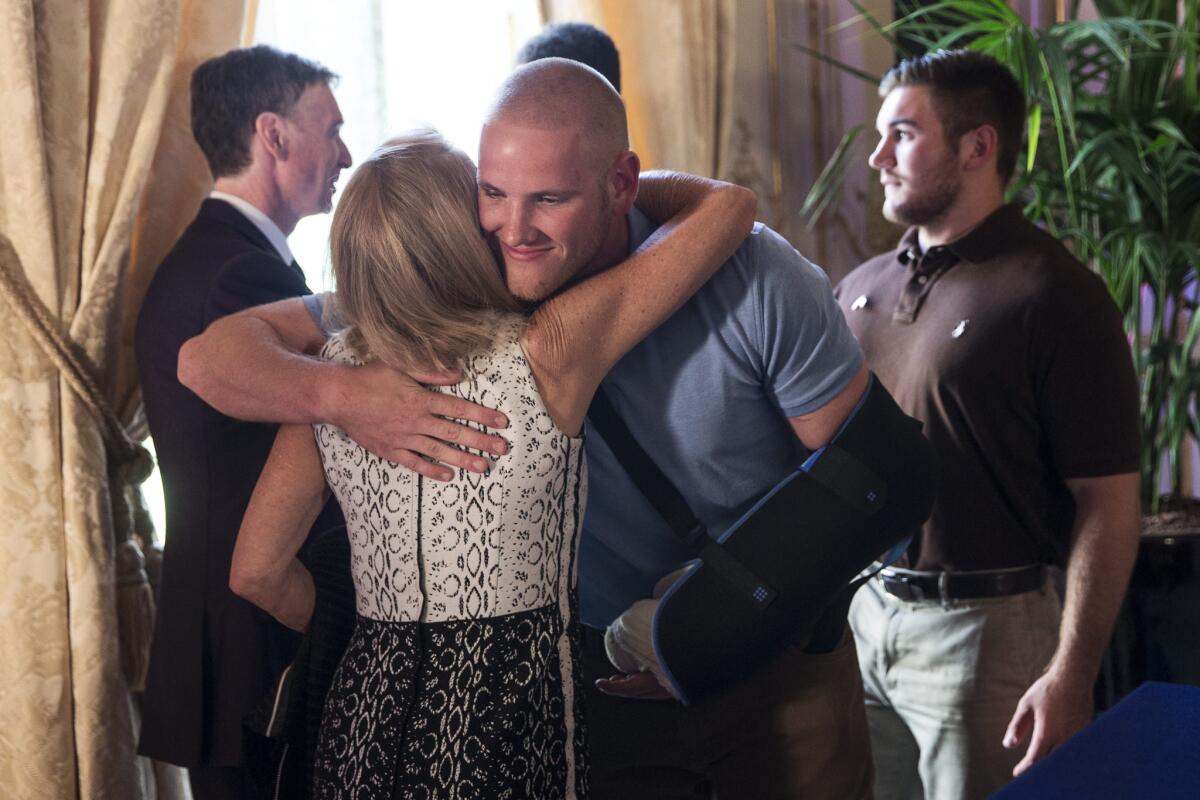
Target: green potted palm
pixel 1112 167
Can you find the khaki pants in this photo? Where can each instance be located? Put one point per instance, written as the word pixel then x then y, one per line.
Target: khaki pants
pixel 796 729
pixel 942 683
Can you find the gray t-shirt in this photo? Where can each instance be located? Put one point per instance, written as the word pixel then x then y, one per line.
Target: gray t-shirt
pixel 708 395
pixel 323 312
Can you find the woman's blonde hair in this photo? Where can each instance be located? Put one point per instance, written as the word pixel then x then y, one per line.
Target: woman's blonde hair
pixel 417 285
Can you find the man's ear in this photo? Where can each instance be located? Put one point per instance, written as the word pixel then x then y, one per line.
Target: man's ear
pixel 979 148
pixel 269 129
pixel 624 184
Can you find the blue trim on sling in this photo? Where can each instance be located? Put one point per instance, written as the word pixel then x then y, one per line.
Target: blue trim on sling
pixel 690 566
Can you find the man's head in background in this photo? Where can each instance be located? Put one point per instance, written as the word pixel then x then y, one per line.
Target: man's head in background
pixel 268 121
pixel 950 130
pixel 577 41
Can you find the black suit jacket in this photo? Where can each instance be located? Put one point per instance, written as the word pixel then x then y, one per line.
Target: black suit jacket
pixel 214 655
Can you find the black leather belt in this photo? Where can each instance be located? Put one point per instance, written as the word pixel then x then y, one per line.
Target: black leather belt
pixel 915 586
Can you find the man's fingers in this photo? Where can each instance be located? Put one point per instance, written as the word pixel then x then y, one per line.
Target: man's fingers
pixel 635 686
pixel 460 434
pixel 1038 746
pixel 1018 727
pixel 446 459
pixel 406 458
pixel 450 456
pixel 445 405
pixel 439 461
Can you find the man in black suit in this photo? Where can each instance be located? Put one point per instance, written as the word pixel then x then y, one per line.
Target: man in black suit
pixel 269 127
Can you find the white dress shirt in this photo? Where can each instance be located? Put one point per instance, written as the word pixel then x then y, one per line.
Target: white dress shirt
pixel 261 221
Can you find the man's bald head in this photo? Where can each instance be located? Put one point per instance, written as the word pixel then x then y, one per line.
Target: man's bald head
pixel 559 94
pixel 556 176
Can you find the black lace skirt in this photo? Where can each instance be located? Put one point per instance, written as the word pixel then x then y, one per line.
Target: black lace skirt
pixel 462 709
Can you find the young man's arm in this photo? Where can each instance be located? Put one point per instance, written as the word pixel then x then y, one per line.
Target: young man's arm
pixel 261 364
pixel 1103 548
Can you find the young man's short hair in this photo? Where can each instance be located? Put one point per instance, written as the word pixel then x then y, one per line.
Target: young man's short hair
pixel 968 89
pixel 577 41
pixel 231 90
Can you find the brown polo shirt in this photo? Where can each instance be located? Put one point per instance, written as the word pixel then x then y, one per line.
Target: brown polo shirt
pixel 1012 354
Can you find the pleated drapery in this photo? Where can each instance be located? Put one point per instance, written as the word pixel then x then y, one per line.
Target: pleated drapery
pixel 98 175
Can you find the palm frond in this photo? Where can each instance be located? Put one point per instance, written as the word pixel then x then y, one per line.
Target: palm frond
pixel 828 185
pixel 849 69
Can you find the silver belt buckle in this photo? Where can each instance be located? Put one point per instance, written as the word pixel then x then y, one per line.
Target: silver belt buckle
pixel 912 590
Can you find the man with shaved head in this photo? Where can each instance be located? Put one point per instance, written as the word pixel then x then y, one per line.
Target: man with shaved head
pixel 556 176
pixel 728 396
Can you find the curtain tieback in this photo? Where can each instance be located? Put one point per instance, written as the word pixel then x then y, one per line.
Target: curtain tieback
pixel 129 464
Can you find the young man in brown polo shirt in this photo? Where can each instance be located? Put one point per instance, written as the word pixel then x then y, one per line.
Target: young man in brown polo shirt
pixel 1012 354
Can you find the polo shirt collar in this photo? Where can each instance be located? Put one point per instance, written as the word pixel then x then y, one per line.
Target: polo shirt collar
pixel 909 248
pixel 996 234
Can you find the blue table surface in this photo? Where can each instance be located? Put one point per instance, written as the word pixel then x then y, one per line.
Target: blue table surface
pixel 1146 747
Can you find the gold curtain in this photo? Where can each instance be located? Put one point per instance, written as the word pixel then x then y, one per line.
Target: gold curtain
pixel 98 175
pixel 716 87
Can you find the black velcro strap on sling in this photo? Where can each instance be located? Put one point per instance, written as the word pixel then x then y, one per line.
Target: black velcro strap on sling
pixel 847 477
pixel 669 503
pixel 732 570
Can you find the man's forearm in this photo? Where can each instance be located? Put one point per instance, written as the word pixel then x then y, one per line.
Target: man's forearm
pixel 242 367
pixel 1103 550
pixel 259 365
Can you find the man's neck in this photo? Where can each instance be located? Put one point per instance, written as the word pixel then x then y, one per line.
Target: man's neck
pixel 973 206
pixel 262 195
pixel 613 250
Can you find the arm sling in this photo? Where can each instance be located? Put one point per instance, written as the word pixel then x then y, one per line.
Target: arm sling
pixel 768 581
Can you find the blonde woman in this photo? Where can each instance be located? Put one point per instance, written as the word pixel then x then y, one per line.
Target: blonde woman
pixel 460 679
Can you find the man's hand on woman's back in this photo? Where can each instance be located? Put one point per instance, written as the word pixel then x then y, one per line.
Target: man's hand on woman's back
pixel 395 417
pixel 260 364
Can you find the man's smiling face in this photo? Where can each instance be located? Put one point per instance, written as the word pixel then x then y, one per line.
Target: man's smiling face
pixel 543 203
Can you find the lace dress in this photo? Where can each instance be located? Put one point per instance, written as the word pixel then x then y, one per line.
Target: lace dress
pixel 461 679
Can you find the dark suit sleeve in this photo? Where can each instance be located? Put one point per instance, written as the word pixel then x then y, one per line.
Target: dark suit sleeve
pixel 251 280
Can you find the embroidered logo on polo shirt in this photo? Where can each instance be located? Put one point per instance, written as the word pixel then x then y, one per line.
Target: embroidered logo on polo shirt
pixel 960 328
pixel 859 303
